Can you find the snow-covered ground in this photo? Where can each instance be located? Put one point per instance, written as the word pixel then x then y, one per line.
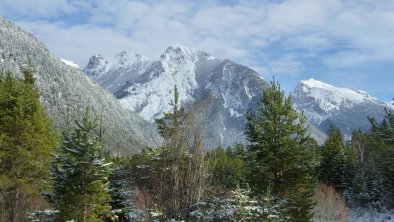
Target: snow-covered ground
pixel 371 216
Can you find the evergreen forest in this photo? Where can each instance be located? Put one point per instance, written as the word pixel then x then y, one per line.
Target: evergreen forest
pixel 281 174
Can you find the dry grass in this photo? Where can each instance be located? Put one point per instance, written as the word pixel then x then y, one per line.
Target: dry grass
pixel 330 205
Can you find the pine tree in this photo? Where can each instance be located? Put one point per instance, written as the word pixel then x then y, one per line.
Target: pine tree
pixel 80 176
pixel 26 140
pixel 282 159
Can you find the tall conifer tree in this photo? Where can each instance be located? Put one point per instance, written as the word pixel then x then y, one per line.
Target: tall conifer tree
pixel 282 160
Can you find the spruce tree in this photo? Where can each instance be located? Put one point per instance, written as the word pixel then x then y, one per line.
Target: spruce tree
pixel 80 176
pixel 281 159
pixel 26 140
pixel 337 166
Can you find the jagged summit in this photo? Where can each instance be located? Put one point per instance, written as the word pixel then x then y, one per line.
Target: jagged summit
pixel 227 89
pixel 178 51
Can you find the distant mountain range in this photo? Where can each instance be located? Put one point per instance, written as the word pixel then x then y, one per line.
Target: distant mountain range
pixel 132 90
pixel 227 90
pixel 67 91
pixel 222 91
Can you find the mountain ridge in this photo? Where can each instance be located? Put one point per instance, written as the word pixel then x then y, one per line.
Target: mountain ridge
pixel 326 105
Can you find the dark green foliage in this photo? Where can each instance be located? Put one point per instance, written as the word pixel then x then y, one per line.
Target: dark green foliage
pixel 26 140
pixel 337 165
pixel 80 176
pixel 281 156
pixel 383 137
pixel 228 168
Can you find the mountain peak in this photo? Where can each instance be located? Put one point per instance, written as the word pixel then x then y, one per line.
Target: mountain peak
pixel 313 83
pixel 326 105
pixel 313 86
pixel 178 52
pixel 95 65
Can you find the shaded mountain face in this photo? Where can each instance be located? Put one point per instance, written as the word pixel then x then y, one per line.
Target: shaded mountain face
pixel 326 106
pixel 219 91
pixel 66 92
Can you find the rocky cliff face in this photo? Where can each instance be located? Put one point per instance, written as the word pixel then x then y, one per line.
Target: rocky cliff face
pixel 67 91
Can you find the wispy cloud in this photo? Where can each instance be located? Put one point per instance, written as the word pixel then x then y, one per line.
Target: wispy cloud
pixel 289 37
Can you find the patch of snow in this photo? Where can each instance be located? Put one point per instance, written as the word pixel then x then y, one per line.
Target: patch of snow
pixel 371 216
pixel 70 63
pixel 390 104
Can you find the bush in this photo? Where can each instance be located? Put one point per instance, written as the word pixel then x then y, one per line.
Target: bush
pixel 330 206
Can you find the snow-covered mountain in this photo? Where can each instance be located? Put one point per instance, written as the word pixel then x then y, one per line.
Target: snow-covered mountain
pixel 326 105
pixel 66 92
pixel 225 89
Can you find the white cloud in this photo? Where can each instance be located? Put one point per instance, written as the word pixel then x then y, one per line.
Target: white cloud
pixel 286 65
pixel 336 34
pixel 40 8
pixel 346 59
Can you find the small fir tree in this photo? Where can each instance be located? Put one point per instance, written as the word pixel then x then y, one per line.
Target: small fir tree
pixel 281 158
pixel 80 176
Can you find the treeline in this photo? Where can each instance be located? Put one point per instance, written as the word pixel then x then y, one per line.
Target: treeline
pixel 281 175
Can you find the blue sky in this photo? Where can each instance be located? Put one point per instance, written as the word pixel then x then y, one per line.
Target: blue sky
pixel 346 43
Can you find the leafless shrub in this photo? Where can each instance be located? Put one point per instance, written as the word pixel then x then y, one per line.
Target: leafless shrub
pixel 330 205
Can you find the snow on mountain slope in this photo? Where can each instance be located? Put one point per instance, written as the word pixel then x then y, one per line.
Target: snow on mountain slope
pixel 391 104
pixel 120 69
pixel 151 98
pixel 326 105
pixel 225 88
pixel 145 86
pixel 332 98
pixel 70 63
